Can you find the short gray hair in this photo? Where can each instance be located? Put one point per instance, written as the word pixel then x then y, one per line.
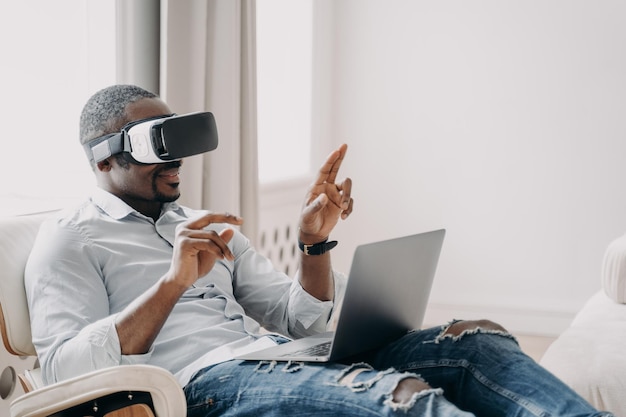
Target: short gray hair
pixel 105 111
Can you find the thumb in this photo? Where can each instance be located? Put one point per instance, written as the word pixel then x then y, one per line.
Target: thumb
pixel 316 205
pixel 227 234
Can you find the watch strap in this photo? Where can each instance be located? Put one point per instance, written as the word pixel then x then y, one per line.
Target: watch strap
pixel 317 248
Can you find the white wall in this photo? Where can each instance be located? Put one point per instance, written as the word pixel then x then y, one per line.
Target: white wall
pixel 502 121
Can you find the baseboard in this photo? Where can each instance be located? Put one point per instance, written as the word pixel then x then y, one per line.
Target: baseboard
pixel 516 320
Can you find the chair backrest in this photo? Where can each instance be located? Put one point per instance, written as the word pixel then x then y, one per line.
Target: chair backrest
pixel 17 234
pixel 614 270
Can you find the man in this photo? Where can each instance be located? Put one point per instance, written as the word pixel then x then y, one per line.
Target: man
pixel 130 276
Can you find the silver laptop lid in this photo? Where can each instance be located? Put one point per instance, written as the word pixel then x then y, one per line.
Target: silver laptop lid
pixel 391 293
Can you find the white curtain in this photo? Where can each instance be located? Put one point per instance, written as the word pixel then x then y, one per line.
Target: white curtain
pixel 208 64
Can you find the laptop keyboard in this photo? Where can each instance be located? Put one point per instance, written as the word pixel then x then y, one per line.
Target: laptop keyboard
pixel 322 349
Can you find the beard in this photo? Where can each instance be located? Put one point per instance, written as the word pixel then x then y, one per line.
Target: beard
pixel 165 198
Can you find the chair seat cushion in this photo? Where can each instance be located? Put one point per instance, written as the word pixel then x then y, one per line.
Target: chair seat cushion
pixel 589 355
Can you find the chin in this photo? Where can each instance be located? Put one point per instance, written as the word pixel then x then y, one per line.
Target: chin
pixel 172 193
pixel 163 198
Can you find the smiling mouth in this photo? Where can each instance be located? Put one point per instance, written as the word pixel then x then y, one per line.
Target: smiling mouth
pixel 169 175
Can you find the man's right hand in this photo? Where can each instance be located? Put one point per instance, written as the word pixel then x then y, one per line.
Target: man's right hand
pixel 196 250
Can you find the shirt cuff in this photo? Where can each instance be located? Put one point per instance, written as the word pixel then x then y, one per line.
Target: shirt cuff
pixel 96 346
pixel 313 314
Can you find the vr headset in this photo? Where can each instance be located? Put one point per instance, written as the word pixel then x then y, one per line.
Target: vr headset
pixel 158 139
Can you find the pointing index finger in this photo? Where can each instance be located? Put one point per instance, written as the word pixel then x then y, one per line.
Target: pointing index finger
pixel 328 171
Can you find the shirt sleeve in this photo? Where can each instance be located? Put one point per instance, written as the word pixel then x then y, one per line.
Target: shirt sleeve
pixel 312 315
pixel 73 331
pixel 277 301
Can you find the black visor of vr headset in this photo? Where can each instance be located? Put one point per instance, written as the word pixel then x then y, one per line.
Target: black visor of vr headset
pixel 158 139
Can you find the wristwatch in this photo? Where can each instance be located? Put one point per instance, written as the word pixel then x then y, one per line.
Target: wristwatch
pixel 317 248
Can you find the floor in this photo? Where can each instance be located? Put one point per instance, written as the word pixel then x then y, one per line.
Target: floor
pixel 533 345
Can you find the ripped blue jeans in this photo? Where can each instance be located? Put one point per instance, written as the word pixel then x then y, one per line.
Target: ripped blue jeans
pixel 470 368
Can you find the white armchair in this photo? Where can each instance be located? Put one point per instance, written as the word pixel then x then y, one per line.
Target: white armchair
pixel 589 355
pixel 131 390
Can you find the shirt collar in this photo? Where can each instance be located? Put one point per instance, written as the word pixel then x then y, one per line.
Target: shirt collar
pixel 118 209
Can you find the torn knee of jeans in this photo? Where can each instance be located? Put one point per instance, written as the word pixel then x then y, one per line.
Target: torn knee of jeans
pixel 292 366
pixel 408 390
pixel 459 328
pixel 360 377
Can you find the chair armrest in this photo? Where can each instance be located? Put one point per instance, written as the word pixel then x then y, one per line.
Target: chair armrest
pixel 167 396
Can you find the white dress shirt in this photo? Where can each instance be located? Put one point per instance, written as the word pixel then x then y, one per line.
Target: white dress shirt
pixel 90 262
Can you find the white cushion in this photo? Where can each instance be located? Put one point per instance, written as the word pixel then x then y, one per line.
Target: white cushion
pixel 614 270
pixel 16 241
pixel 589 355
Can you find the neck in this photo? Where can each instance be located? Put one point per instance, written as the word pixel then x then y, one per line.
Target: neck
pixel 147 208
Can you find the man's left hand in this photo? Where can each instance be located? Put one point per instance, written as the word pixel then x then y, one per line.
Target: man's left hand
pixel 326 200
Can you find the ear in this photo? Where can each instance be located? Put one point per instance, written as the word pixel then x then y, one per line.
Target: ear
pixel 104 166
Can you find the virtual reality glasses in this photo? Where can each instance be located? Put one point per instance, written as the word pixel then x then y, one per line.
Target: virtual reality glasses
pixel 158 139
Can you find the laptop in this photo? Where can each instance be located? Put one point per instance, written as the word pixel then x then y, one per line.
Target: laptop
pixel 386 296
